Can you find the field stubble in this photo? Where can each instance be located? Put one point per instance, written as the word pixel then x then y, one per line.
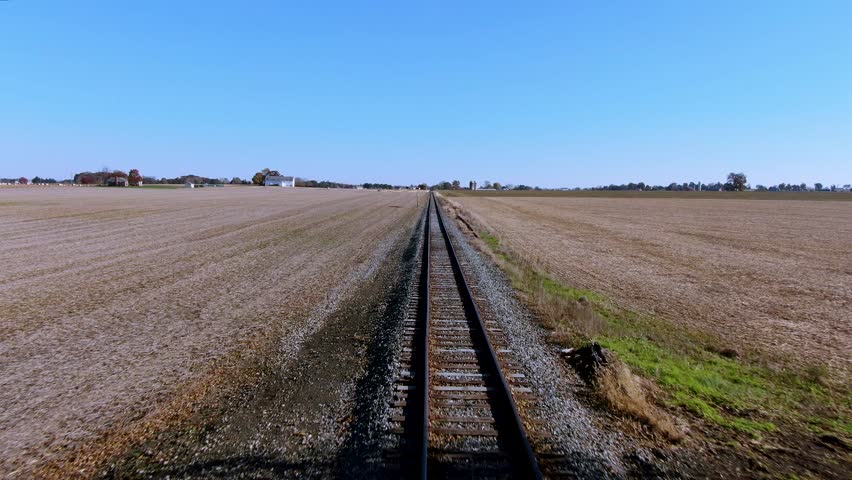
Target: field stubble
pixel 769 276
pixel 114 301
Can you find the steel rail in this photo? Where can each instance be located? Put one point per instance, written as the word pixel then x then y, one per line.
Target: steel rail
pixel 420 448
pixel 517 440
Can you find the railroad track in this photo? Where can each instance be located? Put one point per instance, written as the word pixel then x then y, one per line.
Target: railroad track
pixel 454 395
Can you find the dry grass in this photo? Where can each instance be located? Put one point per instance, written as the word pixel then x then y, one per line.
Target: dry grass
pixel 623 392
pixel 116 302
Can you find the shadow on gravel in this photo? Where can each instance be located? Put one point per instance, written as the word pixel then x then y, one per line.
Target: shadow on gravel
pixel 361 455
pixel 249 466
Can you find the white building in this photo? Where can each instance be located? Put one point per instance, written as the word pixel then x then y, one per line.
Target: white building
pixel 279 181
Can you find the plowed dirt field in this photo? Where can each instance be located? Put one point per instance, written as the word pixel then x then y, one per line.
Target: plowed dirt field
pixel 113 300
pixel 761 274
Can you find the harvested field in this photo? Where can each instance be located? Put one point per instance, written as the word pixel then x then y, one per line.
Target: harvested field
pixel 114 301
pixel 773 276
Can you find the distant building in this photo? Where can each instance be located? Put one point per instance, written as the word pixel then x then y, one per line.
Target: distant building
pixel 189 185
pixel 279 181
pixel 116 182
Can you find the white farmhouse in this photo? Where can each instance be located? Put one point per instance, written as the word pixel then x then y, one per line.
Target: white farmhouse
pixel 279 181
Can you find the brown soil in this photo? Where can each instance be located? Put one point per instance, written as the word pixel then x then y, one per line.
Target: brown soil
pixel 114 301
pixel 768 276
pixel 293 416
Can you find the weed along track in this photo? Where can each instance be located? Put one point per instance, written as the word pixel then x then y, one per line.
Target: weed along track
pixel 457 384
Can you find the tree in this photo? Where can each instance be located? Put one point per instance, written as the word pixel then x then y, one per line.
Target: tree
pixel 37 179
pixel 23 181
pixel 818 187
pixel 487 184
pixel 377 186
pixel 737 181
pixel 456 184
pixel 259 177
pixel 423 186
pixel 134 178
pixel 497 186
pixel 236 181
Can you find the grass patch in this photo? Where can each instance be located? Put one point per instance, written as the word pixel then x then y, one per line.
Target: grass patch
pixel 740 394
pixel 490 240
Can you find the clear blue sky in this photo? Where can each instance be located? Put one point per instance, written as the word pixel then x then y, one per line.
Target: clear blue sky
pixel 551 94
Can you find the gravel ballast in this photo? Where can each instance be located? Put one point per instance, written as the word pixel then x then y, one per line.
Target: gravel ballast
pixel 588 450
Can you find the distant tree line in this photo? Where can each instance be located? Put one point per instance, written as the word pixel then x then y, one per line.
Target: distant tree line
pixel 38 179
pixel 736 182
pixel 99 178
pixel 183 179
pixel 790 187
pixel 300 182
pixel 486 185
pixel 134 177
pixel 378 186
pixel 25 180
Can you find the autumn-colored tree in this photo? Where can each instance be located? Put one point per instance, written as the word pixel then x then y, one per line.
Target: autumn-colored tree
pixel 23 181
pixel 135 177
